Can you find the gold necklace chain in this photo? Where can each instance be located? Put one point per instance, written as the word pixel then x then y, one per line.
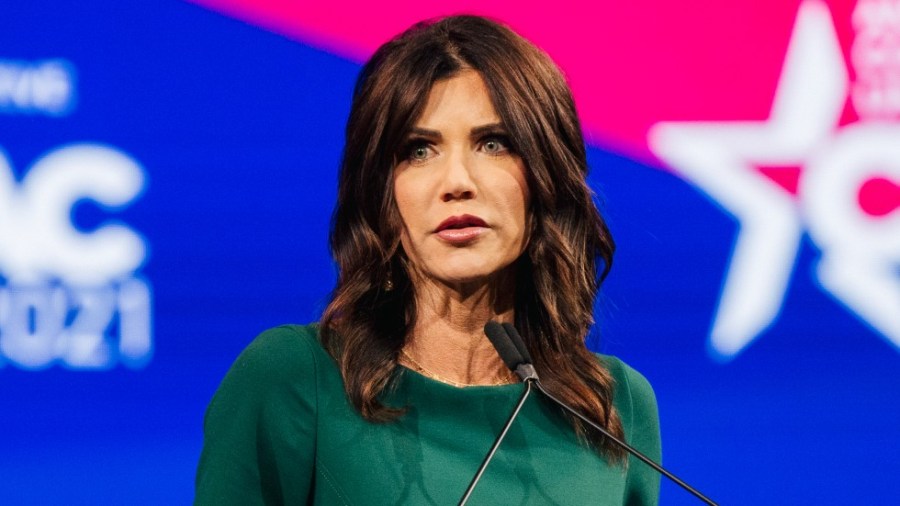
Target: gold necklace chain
pixel 431 374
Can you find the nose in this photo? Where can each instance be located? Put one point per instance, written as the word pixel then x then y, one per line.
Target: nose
pixel 458 183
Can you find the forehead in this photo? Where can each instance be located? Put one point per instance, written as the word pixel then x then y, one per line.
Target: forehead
pixel 463 100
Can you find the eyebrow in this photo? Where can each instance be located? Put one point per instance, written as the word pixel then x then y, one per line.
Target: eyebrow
pixel 489 128
pixel 424 132
pixel 477 131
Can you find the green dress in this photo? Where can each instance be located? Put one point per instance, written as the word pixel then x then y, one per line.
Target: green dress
pixel 280 430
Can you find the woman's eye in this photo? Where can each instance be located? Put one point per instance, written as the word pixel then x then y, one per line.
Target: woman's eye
pixel 418 151
pixel 495 145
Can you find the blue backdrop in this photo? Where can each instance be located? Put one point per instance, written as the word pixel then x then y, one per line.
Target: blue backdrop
pixel 237 133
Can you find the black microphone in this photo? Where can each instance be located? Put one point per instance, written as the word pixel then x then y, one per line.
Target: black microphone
pixel 511 355
pixel 516 341
pixel 516 362
pixel 527 369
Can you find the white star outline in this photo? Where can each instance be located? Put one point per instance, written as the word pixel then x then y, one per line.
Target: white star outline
pixel 860 255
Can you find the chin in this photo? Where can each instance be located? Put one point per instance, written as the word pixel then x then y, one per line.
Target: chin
pixel 465 272
pixel 462 279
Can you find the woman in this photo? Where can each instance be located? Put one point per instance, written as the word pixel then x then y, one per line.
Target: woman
pixel 462 199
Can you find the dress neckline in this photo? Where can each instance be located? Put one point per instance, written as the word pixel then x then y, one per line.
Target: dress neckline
pixel 417 378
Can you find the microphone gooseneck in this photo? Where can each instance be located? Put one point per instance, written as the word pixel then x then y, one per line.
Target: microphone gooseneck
pixel 515 355
pixel 516 361
pixel 493 450
pixel 632 450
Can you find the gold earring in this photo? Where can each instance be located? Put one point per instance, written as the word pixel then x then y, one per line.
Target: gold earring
pixel 388 283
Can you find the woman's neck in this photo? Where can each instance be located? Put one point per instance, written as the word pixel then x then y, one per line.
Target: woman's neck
pixel 447 341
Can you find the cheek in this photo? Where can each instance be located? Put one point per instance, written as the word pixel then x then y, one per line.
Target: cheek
pixel 519 196
pixel 520 207
pixel 518 172
pixel 410 203
pixel 403 192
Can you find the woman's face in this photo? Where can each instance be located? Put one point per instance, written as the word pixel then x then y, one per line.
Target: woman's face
pixel 460 189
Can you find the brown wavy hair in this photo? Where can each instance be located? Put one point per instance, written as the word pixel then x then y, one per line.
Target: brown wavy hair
pixel 570 249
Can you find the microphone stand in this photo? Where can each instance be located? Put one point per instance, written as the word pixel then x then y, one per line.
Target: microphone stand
pixel 512 350
pixel 493 450
pixel 632 450
pixel 526 371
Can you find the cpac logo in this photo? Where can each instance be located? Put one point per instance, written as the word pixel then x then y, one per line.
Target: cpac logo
pixel 41 87
pixel 849 181
pixel 71 297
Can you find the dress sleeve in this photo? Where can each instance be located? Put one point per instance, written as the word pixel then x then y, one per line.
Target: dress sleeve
pixel 640 418
pixel 260 427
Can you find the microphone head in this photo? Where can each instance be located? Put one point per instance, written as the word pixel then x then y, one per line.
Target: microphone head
pixel 518 342
pixel 504 346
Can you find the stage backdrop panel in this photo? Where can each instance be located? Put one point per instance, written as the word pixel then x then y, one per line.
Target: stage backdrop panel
pixel 168 170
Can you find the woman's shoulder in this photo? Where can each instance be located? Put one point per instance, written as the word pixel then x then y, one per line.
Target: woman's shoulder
pixel 285 343
pixel 263 414
pixel 636 403
pixel 284 354
pixel 625 375
pixel 634 397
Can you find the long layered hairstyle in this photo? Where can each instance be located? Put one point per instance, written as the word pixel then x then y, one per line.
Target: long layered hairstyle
pixel 569 251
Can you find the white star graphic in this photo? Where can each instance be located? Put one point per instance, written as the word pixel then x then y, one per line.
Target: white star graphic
pixel 720 158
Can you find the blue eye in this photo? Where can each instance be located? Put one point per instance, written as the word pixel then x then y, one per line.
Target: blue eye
pixel 495 145
pixel 417 150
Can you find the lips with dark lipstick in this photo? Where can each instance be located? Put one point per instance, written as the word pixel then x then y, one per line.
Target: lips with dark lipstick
pixel 464 221
pixel 461 230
